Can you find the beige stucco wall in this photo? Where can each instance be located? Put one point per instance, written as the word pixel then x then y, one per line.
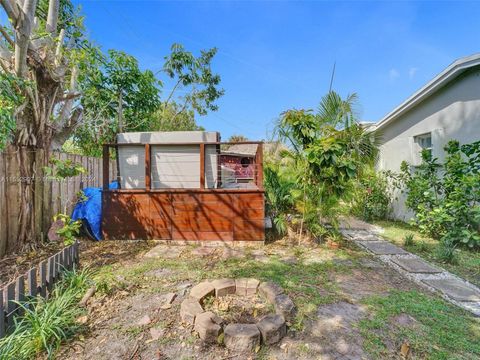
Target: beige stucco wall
pixel 451 113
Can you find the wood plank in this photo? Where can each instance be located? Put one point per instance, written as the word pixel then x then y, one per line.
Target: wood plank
pixel 32 282
pixel 249 225
pixel 202 235
pixel 3 209
pixel 43 279
pixel 148 167
pixel 10 302
pixel 201 198
pixel 106 163
pixel 203 225
pixel 20 292
pixel 2 316
pixel 259 166
pixel 202 166
pixel 249 235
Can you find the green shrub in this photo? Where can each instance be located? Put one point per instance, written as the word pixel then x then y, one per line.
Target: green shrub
pixel 371 197
pixel 46 323
pixel 446 198
pixel 446 252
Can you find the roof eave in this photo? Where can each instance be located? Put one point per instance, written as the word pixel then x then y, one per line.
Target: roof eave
pixel 442 79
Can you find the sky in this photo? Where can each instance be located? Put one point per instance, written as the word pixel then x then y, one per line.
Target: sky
pixel 278 55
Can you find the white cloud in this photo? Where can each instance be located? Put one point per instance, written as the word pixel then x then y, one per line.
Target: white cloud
pixel 393 74
pixel 411 72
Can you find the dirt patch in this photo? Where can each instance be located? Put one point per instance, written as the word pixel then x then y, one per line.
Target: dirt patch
pixel 17 264
pixel 238 309
pixel 366 281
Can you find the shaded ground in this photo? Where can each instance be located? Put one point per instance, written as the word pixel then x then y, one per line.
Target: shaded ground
pixel 16 264
pixel 350 306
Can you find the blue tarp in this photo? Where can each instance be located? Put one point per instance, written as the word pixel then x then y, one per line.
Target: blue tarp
pixel 90 210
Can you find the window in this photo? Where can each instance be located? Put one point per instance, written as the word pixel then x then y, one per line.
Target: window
pixel 424 142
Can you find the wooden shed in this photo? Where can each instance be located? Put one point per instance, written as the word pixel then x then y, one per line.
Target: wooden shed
pixel 173 186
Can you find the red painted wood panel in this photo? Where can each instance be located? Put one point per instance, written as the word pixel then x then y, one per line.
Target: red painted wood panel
pixel 184 216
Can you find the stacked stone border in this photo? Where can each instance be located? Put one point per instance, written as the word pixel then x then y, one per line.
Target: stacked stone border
pixel 432 277
pixel 269 330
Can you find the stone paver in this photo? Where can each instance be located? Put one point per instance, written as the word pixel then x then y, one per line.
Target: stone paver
pixel 224 287
pixel 164 251
pixel 416 265
pixel 382 248
pixel 454 289
pixel 272 328
pixel 284 306
pixel 189 309
pixel 233 253
pixel 207 329
pixel 269 291
pixel 203 251
pixel 246 287
pixel 241 337
pixel 202 290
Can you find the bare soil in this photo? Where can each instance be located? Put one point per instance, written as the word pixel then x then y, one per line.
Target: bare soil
pixel 131 321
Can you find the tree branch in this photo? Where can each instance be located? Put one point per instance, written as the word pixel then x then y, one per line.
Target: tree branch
pixel 64 133
pixel 58 51
pixel 6 35
pixel 23 30
pixel 12 10
pixel 52 18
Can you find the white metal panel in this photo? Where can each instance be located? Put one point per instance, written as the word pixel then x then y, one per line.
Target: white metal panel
pixel 176 166
pixel 131 161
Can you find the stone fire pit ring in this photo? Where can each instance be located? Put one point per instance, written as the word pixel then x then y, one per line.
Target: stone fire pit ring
pixel 269 330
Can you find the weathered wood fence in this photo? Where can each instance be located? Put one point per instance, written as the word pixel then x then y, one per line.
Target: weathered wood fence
pixel 53 197
pixel 38 281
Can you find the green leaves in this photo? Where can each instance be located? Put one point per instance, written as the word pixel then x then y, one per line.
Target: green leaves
pixel 446 198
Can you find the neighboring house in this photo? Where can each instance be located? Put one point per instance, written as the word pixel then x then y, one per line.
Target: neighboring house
pixel 448 107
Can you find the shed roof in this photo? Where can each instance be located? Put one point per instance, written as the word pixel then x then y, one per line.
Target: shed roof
pixel 454 70
pixel 241 149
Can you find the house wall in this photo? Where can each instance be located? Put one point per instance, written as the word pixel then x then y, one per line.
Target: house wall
pixel 451 113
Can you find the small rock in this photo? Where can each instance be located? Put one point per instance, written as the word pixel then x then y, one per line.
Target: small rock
pixel 189 309
pixel 144 320
pixel 246 287
pixel 224 287
pixel 166 306
pixel 169 298
pixel 156 333
pixel 285 306
pixel 269 291
pixel 242 337
pixel 82 319
pixel 272 328
pixel 52 232
pixel 202 290
pixel 207 329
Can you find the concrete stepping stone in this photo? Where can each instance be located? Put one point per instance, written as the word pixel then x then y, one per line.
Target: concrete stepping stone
pixel 203 251
pixel 382 248
pixel 241 337
pixel 415 265
pixel 272 328
pixel 224 287
pixel 164 251
pixel 189 309
pixel 246 287
pixel 455 289
pixel 206 327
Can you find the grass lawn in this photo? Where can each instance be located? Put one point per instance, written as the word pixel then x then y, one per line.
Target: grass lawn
pixel 467 264
pixel 347 303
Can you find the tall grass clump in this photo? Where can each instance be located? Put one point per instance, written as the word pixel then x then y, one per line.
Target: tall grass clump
pixel 46 323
